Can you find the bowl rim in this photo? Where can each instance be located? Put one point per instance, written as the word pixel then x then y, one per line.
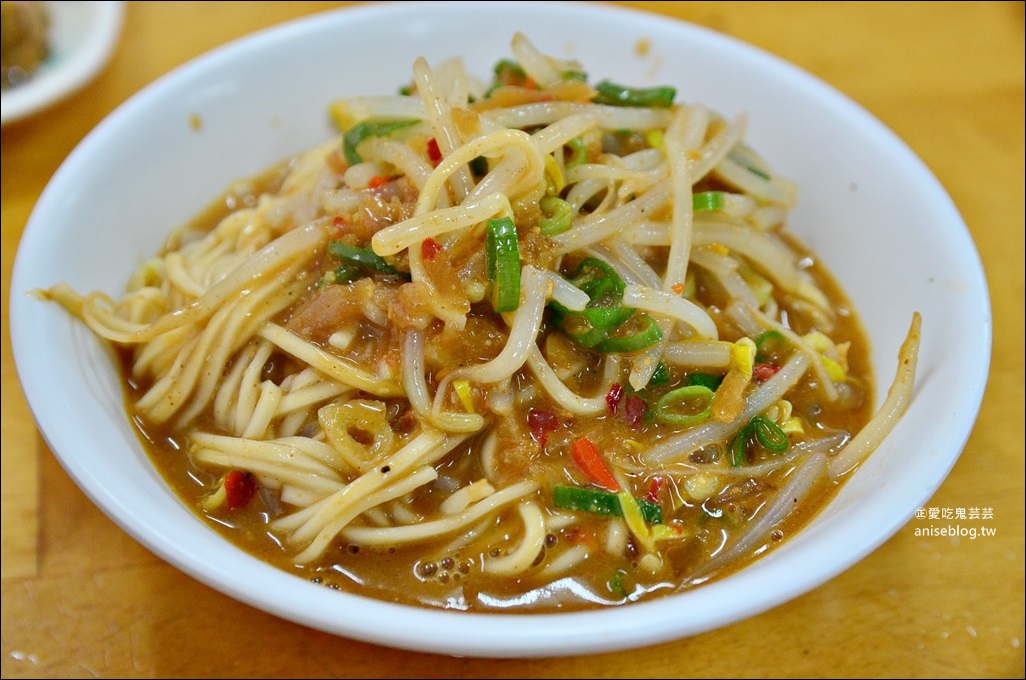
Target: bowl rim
pixel 592 632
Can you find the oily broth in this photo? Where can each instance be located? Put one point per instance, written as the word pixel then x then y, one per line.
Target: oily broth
pixel 448 572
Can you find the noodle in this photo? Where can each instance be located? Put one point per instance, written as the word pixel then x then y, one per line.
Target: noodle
pixel 530 339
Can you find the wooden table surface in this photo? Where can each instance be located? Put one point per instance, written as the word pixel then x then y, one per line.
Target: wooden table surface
pixel 81 598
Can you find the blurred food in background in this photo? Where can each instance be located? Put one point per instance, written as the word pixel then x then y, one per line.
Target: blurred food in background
pixel 25 42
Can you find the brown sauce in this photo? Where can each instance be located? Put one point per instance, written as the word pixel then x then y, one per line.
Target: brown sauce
pixel 447 573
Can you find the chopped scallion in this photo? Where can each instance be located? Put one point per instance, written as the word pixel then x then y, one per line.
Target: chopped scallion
pixel 579 152
pixel 620 95
pixel 769 434
pixel 557 215
pixel 669 408
pixel 661 375
pixel 705 380
pixel 648 336
pixel 601 503
pixel 370 128
pixel 739 448
pixel 707 201
pixel 594 326
pixel 502 260
pixel 598 279
pixel 616 583
pixel 365 258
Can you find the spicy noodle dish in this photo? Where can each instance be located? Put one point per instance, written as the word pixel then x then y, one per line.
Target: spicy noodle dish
pixel 529 342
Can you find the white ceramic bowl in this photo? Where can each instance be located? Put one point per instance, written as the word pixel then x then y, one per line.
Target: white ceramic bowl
pixel 875 214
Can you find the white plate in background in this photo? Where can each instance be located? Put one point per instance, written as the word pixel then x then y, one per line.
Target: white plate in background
pixel 82 37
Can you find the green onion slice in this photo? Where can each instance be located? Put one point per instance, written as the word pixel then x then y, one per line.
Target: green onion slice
pixel 601 503
pixel 557 215
pixel 669 407
pixel 647 337
pixel 769 434
pixel 365 258
pixel 739 448
pixel 661 375
pixel 370 128
pixel 601 321
pixel 616 583
pixel 345 273
pixel 770 335
pixel 599 280
pixel 708 201
pixel 768 343
pixel 505 67
pixel 615 94
pixel 580 152
pixel 705 380
pixel 502 259
pixel 593 326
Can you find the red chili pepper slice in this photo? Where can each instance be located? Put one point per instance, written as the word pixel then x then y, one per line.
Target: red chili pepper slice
pixel 762 372
pixel 541 424
pixel 614 396
pixel 429 247
pixel 634 410
pixel 433 152
pixel 239 487
pixel 654 488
